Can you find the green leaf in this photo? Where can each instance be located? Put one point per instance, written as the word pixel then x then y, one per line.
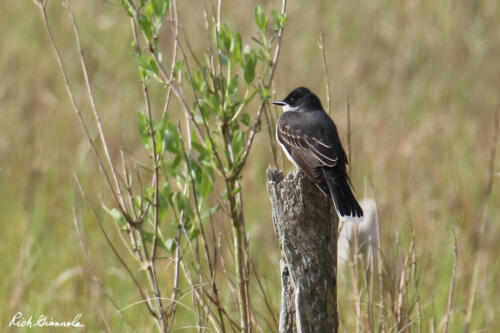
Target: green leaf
pixel 171 139
pixel 238 142
pixel 205 186
pixel 160 7
pixel 209 165
pixel 162 205
pixel 160 143
pixel 140 61
pixel 225 38
pixel 170 244
pixel 143 129
pixel 178 67
pixel 223 59
pixel 128 7
pixel 260 18
pixel 209 212
pixel 208 145
pixel 250 61
pixel 145 25
pixel 236 191
pixel 264 56
pixel 198 119
pixel 199 148
pixel 148 236
pixel 236 48
pixel 183 204
pixel 166 192
pixel 280 20
pixel 193 233
pixel 266 93
pixel 117 215
pixel 146 65
pixel 149 10
pixel 232 88
pixel 198 81
pixel 137 200
pixel 284 20
pixel 152 68
pixel 213 102
pixel 204 110
pixel 245 119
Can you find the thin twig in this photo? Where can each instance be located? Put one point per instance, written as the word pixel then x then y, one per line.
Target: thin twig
pixel 152 299
pixel 221 73
pixel 355 280
pixel 198 296
pixel 76 108
pixel 482 229
pixel 452 284
pixel 321 45
pixel 402 301
pixel 203 234
pixel 379 263
pixel 174 19
pixel 415 276
pixel 267 301
pixel 493 152
pixel 115 251
pixel 348 110
pixel 151 268
pixel 91 271
pixel 271 125
pixel 175 288
pixel 94 109
pixel 100 162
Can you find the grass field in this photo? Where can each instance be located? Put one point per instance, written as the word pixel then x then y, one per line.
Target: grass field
pixel 423 83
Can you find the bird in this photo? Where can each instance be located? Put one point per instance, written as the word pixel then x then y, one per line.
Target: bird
pixel 310 140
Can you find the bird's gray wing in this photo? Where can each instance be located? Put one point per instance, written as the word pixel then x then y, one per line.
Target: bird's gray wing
pixel 305 143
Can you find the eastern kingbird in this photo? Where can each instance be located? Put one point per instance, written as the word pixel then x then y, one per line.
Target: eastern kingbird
pixel 309 138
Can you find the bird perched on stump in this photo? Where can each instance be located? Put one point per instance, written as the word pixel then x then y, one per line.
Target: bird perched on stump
pixel 309 138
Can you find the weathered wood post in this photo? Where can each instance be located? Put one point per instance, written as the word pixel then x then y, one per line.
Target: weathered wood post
pixel 306 224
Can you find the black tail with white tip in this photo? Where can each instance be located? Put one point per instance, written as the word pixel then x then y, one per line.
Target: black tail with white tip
pixel 346 205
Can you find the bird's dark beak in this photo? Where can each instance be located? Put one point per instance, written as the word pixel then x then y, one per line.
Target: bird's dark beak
pixel 279 102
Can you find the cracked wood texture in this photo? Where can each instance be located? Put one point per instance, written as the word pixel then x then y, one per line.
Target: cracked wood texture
pixel 306 224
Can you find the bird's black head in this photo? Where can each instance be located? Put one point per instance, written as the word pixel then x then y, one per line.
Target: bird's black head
pixel 300 97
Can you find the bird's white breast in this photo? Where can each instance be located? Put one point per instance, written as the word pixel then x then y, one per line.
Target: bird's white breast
pixel 285 150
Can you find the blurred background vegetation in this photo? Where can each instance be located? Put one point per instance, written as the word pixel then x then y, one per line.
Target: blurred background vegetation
pixel 422 79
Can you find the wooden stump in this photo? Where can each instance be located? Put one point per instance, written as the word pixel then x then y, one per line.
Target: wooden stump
pixel 306 224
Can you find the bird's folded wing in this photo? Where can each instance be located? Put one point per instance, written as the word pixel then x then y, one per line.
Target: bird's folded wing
pixel 315 151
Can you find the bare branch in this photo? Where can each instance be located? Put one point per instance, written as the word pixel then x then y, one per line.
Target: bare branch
pixel 349 149
pixel 482 229
pixel 175 288
pixel 321 45
pixel 380 264
pixel 452 284
pixel 198 296
pixel 94 109
pixel 493 152
pixel 115 251
pixel 76 108
pixel 91 271
pixel 217 301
